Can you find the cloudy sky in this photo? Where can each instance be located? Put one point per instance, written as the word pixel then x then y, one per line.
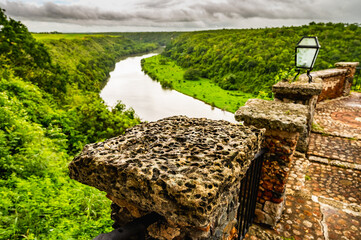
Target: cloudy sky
pixel 180 15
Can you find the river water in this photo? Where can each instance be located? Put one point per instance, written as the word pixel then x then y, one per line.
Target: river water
pixel 150 101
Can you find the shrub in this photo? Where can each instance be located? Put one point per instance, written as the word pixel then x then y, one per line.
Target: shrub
pixel 192 74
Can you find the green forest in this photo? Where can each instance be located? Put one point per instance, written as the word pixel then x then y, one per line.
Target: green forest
pixel 252 60
pixel 50 105
pixel 49 109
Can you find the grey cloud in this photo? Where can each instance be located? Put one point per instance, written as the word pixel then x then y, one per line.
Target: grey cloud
pixel 272 9
pixel 180 13
pixel 80 14
pixel 158 4
pixel 60 12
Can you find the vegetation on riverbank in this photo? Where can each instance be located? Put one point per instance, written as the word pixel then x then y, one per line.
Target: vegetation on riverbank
pixel 250 60
pixel 170 75
pixel 90 57
pixel 49 109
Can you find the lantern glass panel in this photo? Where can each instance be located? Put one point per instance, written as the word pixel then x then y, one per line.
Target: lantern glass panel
pixel 305 57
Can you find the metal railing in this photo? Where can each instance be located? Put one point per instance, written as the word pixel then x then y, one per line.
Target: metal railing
pixel 248 194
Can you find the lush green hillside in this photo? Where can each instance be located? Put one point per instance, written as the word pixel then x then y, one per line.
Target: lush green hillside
pixel 90 57
pixel 49 109
pixel 251 60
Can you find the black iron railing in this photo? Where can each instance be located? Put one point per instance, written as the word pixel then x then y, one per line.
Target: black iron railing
pixel 248 194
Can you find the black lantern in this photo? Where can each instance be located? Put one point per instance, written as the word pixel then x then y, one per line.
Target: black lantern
pixel 306 53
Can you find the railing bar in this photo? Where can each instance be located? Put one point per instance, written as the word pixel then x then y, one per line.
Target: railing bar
pixel 254 192
pixel 248 194
pixel 259 163
pixel 245 183
pixel 250 170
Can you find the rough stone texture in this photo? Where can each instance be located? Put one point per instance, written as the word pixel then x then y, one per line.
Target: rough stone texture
pixel 305 135
pixel 297 91
pixel 186 169
pixel 334 82
pixel 347 64
pixel 326 73
pixel 323 198
pixel 273 115
pixel 283 123
pixel 300 92
pixel 274 175
pixel 351 70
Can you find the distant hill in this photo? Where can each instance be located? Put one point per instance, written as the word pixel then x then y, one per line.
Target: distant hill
pixel 251 60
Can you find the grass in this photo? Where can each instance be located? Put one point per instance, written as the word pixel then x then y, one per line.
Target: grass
pixel 317 128
pixel 170 75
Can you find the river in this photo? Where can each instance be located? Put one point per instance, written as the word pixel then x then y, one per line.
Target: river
pixel 150 101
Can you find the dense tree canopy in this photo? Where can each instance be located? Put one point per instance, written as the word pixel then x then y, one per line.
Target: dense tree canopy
pixel 49 109
pixel 251 59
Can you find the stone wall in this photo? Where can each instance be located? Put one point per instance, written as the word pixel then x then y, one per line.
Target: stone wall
pixel 283 123
pixel 351 70
pixel 336 82
pixel 187 170
pixel 288 121
pixel 300 92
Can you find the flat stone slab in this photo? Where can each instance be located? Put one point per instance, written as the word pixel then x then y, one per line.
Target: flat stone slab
pixel 297 88
pixel 327 73
pixel 178 167
pixel 275 115
pixel 347 64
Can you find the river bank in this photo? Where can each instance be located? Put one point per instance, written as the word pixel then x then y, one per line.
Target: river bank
pixel 164 70
pixel 128 84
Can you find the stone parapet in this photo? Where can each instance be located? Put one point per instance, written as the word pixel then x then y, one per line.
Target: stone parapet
pixel 300 92
pixel 283 122
pixel 351 70
pixel 188 170
pixel 297 92
pixel 323 74
pixel 346 64
pixel 273 115
pixel 337 82
pixel 281 146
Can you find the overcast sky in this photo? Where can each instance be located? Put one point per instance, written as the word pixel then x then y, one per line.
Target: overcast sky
pixel 178 15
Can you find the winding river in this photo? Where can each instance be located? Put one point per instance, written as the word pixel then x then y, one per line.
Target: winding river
pixel 150 101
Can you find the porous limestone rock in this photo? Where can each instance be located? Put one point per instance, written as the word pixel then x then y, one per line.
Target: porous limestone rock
pixel 185 169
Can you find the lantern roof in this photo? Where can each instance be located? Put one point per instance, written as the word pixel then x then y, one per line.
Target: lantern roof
pixel 309 42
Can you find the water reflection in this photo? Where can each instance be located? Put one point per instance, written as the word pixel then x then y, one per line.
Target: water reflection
pixel 135 89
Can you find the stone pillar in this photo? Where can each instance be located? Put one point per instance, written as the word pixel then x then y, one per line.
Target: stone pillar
pixel 283 123
pixel 188 170
pixel 300 92
pixel 351 70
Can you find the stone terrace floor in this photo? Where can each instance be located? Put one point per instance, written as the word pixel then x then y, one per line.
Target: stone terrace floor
pixel 324 188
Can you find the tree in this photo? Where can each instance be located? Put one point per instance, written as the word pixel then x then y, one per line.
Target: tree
pixel 192 74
